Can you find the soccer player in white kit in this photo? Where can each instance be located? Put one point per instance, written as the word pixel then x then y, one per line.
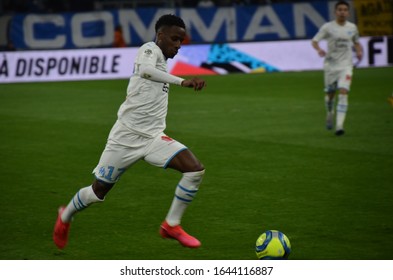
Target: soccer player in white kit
pixel 138 134
pixel 341 36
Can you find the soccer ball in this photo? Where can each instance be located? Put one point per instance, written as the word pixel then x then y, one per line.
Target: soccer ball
pixel 272 245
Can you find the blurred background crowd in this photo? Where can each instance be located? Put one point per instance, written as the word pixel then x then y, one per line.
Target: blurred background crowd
pixel 50 6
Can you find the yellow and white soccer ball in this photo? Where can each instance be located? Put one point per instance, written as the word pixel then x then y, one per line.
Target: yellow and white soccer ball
pixel 272 245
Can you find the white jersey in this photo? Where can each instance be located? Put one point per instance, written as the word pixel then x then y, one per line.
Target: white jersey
pixel 340 39
pixel 145 108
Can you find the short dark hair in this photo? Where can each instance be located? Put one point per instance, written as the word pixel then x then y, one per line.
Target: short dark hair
pixel 169 20
pixel 341 3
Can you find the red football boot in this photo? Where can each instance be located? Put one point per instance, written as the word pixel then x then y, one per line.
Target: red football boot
pixel 179 234
pixel 60 233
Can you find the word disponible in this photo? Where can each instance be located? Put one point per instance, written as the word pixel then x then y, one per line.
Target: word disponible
pixel 66 65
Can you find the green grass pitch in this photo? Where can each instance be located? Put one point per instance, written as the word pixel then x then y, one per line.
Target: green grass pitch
pixel 270 164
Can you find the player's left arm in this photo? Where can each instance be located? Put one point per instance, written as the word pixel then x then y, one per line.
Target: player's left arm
pixel 149 72
pixel 196 83
pixel 357 46
pixel 359 50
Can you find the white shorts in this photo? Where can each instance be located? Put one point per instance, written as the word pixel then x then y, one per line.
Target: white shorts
pixel 124 148
pixel 337 78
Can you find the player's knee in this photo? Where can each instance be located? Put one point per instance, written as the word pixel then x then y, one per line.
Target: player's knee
pixel 101 188
pixel 198 167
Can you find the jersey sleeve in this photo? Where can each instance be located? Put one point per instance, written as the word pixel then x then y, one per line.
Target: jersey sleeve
pixel 149 72
pixel 147 56
pixel 321 34
pixel 355 37
pixel 146 63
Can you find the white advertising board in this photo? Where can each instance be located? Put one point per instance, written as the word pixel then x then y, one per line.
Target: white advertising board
pixel 117 63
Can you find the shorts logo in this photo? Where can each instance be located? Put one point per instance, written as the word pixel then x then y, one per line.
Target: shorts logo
pixel 348 77
pixel 166 138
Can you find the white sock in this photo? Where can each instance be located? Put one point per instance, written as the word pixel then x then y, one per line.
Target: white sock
pixel 341 111
pixel 81 200
pixel 184 194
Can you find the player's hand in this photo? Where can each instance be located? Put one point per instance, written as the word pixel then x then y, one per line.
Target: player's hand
pixel 321 53
pixel 359 55
pixel 195 83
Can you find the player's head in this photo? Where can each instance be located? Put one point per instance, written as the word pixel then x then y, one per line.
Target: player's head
pixel 342 10
pixel 345 3
pixel 170 33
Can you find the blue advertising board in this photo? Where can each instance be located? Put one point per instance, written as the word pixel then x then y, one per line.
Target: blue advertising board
pixel 205 25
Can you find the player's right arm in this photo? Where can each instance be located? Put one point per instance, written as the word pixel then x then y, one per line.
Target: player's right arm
pixel 316 46
pixel 322 33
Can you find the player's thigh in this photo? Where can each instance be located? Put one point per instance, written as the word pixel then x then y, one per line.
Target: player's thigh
pixel 330 79
pixel 122 150
pixel 345 79
pixel 114 161
pixel 162 150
